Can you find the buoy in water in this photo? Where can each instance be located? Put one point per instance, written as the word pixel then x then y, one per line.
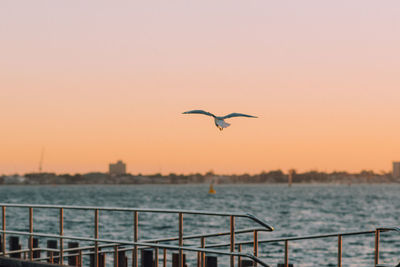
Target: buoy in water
pixel 212 190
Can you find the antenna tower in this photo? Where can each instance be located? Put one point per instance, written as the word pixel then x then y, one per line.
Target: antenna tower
pixel 41 160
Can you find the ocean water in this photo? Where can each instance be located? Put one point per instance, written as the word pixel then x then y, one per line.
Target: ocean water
pixel 296 211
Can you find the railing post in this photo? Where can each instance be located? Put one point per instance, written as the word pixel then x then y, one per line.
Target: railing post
pixel 286 253
pixel 156 256
pixel 135 239
pixel 339 250
pixel 377 233
pixel 14 245
pixel 176 261
pixel 232 236
pixel 96 236
pixel 80 258
pixel 73 260
pixel 147 259
pixel 36 253
pixel 180 239
pixel 255 246
pixel 165 258
pixel 61 222
pixel 30 231
pixel 52 244
pixel 116 256
pixel 3 208
pixel 203 254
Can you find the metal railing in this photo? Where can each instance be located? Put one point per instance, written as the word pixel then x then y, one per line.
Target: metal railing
pixel 135 245
pixel 112 246
pixel 286 240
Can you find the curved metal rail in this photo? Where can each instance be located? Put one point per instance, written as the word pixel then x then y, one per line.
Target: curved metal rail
pixel 144 210
pixel 136 243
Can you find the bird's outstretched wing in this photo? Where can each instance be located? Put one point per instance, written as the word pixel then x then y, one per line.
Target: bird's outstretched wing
pixel 237 115
pixel 197 111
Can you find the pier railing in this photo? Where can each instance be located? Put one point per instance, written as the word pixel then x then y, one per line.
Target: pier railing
pixel 117 246
pixel 339 236
pixel 99 247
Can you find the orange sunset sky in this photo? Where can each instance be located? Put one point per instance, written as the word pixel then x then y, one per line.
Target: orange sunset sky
pixel 98 81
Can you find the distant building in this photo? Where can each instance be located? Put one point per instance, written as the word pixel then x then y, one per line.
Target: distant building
pixel 396 169
pixel 118 168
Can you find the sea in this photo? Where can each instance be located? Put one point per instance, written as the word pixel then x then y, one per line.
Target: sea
pixel 300 210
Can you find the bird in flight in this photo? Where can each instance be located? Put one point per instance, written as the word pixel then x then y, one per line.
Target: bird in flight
pixel 218 120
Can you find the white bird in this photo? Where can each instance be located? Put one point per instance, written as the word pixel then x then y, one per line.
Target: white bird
pixel 219 121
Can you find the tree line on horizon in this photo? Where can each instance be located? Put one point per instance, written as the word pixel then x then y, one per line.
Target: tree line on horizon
pixel 273 176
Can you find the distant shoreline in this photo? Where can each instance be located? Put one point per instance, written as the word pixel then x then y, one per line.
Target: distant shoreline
pixel 272 177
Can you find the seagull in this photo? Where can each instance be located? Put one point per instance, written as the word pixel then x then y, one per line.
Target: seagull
pixel 218 120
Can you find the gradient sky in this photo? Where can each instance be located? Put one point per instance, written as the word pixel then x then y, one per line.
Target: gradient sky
pixel 98 81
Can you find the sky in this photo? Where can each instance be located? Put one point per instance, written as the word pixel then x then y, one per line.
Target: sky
pixel 97 81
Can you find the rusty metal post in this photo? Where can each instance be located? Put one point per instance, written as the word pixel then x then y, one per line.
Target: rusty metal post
pixel 96 236
pixel 80 258
pixel 339 250
pixel 102 259
pixel 176 261
pixel 255 246
pixel 135 239
pixel 200 254
pixel 52 244
pixel 165 258
pixel 232 236
pixel 73 260
pixel 14 245
pixel 180 239
pixel 156 256
pixel 147 259
pixel 377 234
pixel 116 256
pixel 36 251
pixel 3 212
pixel 286 253
pixel 30 231
pixel 122 259
pixel 203 254
pixel 61 222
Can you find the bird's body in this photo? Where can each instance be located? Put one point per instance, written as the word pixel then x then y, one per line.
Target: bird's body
pixel 221 124
pixel 219 120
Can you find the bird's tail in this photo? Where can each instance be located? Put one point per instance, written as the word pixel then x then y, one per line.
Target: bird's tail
pixel 224 124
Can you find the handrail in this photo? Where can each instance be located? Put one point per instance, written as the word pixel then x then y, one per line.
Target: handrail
pixel 146 210
pixel 383 229
pixel 127 242
pixel 294 238
pixel 174 238
pixel 167 239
